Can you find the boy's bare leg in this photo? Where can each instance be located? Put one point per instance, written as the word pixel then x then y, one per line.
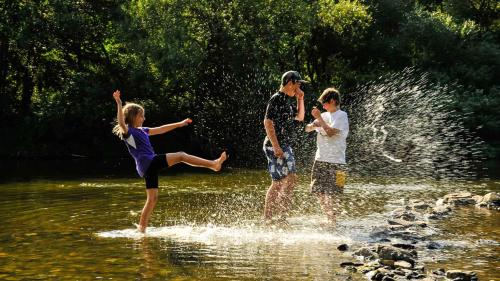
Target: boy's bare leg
pixel 286 194
pixel 177 157
pixel 151 199
pixel 271 202
pixel 327 203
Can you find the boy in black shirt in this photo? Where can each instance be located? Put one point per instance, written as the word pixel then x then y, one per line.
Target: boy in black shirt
pixel 279 122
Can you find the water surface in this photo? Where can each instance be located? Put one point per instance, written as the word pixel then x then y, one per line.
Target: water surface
pixel 208 226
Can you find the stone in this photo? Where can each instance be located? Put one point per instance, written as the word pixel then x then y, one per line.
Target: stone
pixel 407 223
pixel 403 264
pixel 399 272
pixel 366 253
pixel 388 278
pixel 351 269
pixel 460 275
pixel 371 275
pixel 365 269
pixel 343 247
pixel 433 245
pixel 460 198
pixel 396 254
pixel 439 271
pixel 440 202
pixel 490 201
pixel 348 263
pixel 378 274
pixel 477 198
pixel 439 212
pixel 420 268
pixel 491 198
pixel 404 215
pixel 396 227
pixel 420 206
pixel 387 262
pixel 404 246
pixel 408 235
pixel 415 275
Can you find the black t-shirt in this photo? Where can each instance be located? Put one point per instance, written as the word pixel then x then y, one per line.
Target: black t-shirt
pixel 282 111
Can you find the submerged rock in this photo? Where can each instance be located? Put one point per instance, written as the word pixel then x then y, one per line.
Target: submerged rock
pixel 403 264
pixel 396 254
pixel 440 272
pixel 460 198
pixel 407 223
pixel 459 275
pixel 404 214
pixel 404 246
pixel 490 201
pixel 366 253
pixel 343 247
pixel 433 245
pixel 439 212
pixel 379 274
pixel 349 263
pixel 420 206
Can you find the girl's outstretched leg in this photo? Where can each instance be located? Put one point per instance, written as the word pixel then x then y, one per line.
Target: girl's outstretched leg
pixel 177 157
pixel 151 199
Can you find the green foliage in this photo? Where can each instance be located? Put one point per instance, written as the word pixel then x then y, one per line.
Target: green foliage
pixel 345 17
pixel 218 62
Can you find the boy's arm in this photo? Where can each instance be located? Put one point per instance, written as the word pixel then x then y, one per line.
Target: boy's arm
pixel 300 105
pixel 169 127
pixel 312 126
pixel 329 130
pixel 271 135
pixel 119 113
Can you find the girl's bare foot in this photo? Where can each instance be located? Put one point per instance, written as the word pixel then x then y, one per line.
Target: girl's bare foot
pixel 218 162
pixel 140 228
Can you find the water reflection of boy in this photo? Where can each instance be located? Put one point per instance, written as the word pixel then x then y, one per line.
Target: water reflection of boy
pixel 328 172
pixel 279 123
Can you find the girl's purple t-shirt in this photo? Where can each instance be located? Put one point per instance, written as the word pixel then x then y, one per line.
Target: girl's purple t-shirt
pixel 140 148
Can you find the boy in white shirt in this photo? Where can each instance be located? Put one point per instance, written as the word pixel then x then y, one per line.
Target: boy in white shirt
pixel 328 172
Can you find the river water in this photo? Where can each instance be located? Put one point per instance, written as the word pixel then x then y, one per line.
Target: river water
pixel 207 226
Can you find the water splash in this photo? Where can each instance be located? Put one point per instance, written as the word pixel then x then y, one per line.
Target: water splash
pixel 211 234
pixel 406 125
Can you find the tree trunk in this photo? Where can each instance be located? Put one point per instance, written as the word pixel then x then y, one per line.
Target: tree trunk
pixel 4 52
pixel 28 85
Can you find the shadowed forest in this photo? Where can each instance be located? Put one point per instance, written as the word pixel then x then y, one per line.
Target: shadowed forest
pixel 218 62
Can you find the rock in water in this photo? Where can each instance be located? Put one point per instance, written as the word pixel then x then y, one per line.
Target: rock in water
pixel 343 247
pixel 461 198
pixel 459 275
pixel 396 254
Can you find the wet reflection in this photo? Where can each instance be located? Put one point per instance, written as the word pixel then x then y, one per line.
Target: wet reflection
pixel 209 227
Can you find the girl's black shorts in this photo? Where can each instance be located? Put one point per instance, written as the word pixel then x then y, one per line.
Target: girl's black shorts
pixel 159 162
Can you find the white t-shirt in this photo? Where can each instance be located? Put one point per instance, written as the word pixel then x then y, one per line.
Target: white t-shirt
pixel 332 149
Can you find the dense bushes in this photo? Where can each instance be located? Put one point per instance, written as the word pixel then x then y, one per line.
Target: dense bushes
pixel 218 61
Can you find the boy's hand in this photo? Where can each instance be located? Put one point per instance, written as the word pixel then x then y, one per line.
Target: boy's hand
pixel 278 152
pixel 316 113
pixel 186 122
pixel 116 96
pixel 299 94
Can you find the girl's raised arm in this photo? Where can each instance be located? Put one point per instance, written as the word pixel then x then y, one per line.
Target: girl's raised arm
pixel 119 113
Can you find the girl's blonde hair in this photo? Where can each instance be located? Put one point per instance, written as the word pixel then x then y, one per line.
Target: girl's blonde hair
pixel 130 112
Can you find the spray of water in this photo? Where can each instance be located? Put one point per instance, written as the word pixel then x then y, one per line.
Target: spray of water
pixel 404 124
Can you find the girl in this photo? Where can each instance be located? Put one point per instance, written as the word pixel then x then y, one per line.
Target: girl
pixel 148 164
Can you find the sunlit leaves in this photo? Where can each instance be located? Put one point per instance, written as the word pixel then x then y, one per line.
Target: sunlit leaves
pixel 344 16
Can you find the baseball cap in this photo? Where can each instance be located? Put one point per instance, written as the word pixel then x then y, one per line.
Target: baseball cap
pixel 293 76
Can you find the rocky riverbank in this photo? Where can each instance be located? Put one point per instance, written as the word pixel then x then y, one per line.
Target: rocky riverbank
pixel 394 253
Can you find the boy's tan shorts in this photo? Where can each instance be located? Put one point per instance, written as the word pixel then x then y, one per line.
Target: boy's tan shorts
pixel 327 177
